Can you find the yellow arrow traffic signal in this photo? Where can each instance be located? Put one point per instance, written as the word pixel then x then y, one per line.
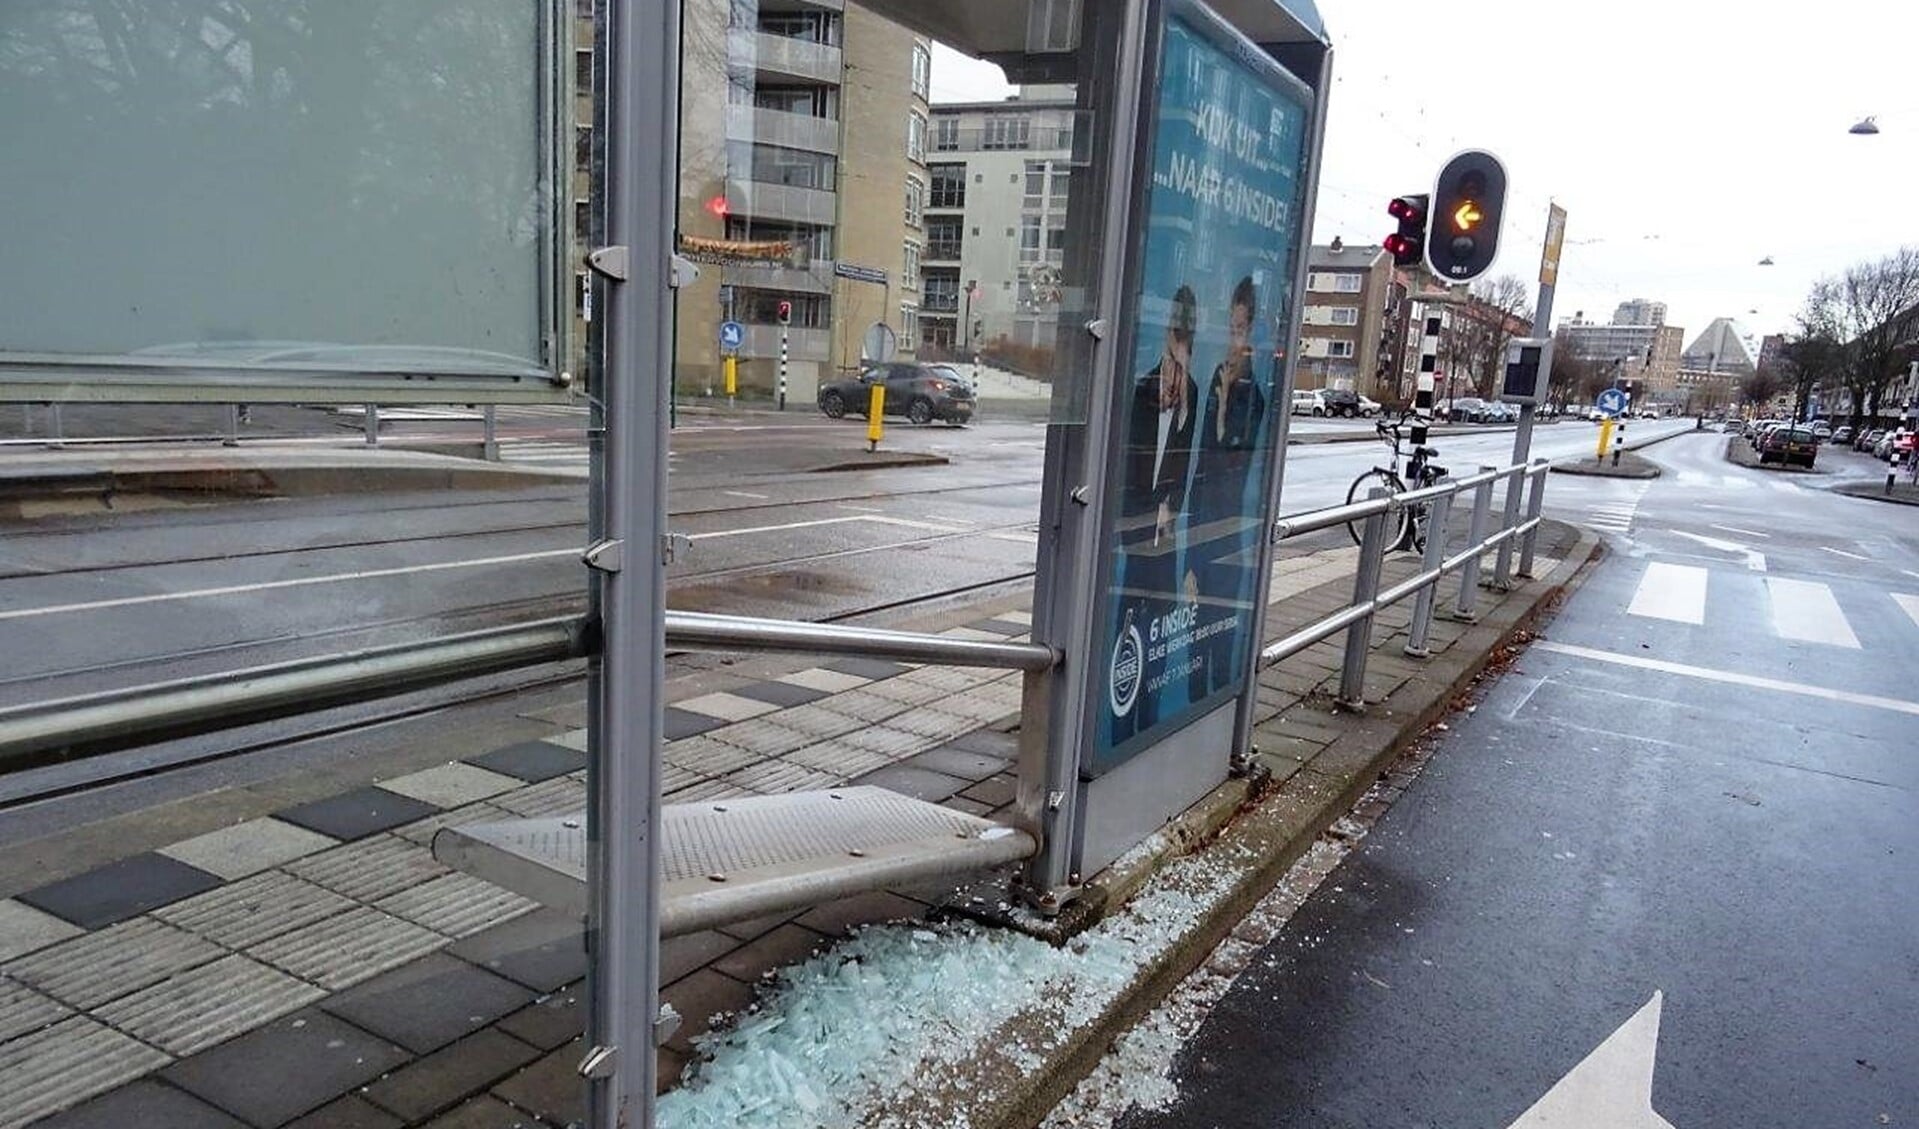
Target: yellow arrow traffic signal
pixel 1467 215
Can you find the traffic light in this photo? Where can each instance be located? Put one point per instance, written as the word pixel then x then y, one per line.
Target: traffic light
pixel 1407 246
pixel 786 312
pixel 1468 199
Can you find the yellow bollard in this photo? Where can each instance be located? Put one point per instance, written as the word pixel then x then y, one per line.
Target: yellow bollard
pixel 876 417
pixel 732 377
pixel 1605 437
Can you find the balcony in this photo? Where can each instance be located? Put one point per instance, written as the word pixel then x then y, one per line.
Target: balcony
pixel 814 279
pixel 802 344
pixel 782 202
pixel 784 59
pixel 939 304
pixel 777 127
pixel 943 251
pixel 976 139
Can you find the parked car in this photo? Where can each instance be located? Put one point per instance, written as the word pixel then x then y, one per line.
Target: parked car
pixel 1466 409
pixel 1893 446
pixel 1308 403
pixel 921 393
pixel 1368 406
pixel 1867 440
pixel 1822 429
pixel 1343 402
pixel 1789 444
pixel 1842 433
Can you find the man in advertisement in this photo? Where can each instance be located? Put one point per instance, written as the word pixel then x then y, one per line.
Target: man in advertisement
pixel 1229 442
pixel 1157 459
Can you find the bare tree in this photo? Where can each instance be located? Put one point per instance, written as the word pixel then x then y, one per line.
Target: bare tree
pixel 1814 357
pixel 1873 306
pixel 1486 323
pixel 1574 380
pixel 1761 388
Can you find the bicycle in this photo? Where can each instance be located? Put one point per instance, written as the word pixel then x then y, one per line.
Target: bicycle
pixel 1411 530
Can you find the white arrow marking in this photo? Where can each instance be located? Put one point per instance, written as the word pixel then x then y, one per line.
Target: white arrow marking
pixel 1611 1088
pixel 1754 560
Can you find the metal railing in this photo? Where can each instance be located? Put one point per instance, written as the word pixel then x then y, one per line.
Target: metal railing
pixel 115 720
pixel 1356 619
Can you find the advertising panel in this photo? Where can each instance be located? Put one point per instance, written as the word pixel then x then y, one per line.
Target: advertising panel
pixel 1211 287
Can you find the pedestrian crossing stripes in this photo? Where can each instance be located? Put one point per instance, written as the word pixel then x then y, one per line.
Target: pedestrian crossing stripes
pixel 1613 518
pixel 1802 611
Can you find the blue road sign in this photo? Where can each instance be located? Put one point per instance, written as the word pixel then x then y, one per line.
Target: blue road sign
pixel 732 335
pixel 1612 401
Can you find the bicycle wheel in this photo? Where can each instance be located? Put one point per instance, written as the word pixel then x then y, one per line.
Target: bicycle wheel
pixel 1398 527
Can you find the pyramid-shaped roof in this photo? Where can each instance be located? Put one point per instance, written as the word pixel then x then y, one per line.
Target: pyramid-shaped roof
pixel 1726 340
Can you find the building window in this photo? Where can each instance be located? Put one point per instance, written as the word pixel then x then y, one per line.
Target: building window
pixel 909 326
pixel 770 164
pixel 810 241
pixel 583 9
pixel 1061 182
pixel 922 69
pixel 1029 235
pixel 910 266
pixel 1007 133
pixel 583 69
pixel 940 294
pixel 1347 283
pixel 1332 283
pixel 915 200
pixel 946 134
pixel 943 238
pixel 582 218
pixel 1035 185
pixel 583 147
pixel 1339 348
pixel 1343 315
pixel 949 186
pixel 916 135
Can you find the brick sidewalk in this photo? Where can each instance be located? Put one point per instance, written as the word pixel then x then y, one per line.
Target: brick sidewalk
pixel 315 966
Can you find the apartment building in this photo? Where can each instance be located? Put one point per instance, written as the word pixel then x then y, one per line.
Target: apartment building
pixel 1344 322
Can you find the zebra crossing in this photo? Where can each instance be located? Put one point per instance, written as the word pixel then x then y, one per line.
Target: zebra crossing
pixel 546 454
pixel 1796 610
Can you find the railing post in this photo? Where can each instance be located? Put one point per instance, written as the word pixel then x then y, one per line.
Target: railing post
pixel 1509 517
pixel 372 424
pixel 58 425
pixel 1359 637
pixel 1535 502
pixel 233 427
pixel 1438 515
pixel 490 433
pixel 1469 575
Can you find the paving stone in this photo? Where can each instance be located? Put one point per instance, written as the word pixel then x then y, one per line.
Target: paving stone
pixel 753 927
pixel 989 742
pixel 837 759
pixel 906 693
pixel 292 1066
pixel 774 778
pixel 484 1112
pixel 685 723
pixel 341 951
pixel 816 721
pixel 671 1066
pixel 862 706
pixel 254 909
pixel 684 955
pixel 571 715
pixel 918 783
pixel 994 792
pixel 544 950
pixel 708 790
pixel 551 1088
pixel 370 869
pixel 357 814
pixel 457 905
pixel 22 1009
pixel 67 1064
pixel 708 757
pixel 24 929
pixel 423 831
pixel 895 743
pixel 830 681
pixel 999 627
pixel 119 890
pixel 247 848
pixel 1025 618
pixel 575 739
pixel 451 785
pixel 561 795
pixel 349 1112
pixel 779 693
pixel 442 1079
pixel 875 669
pixel 951 679
pixel 835 918
pixel 532 761
pixel 725 706
pixel 429 1003
pixel 764 737
pixel 550 1021
pixel 934 723
pixel 699 999
pixel 970 807
pixel 145 1104
pixel 194 1010
pixel 959 762
pixel 787 945
pixel 88 971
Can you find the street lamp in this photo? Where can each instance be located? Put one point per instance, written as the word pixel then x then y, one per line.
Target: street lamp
pixel 1864 127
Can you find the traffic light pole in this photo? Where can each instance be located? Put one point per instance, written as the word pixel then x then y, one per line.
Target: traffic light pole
pixel 1523 437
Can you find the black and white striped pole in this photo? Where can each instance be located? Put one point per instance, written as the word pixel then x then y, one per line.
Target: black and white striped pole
pixel 1428 379
pixel 786 320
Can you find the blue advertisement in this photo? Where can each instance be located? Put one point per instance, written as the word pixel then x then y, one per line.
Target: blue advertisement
pixel 1213 302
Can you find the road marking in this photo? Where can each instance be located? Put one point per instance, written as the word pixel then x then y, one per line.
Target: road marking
pixel 861 509
pixel 1843 553
pixel 1670 591
pixel 824 521
pixel 1909 605
pixel 1741 532
pixel 301 582
pixel 1731 678
pixel 1612 1086
pixel 1755 561
pixel 1805 610
pixel 745 494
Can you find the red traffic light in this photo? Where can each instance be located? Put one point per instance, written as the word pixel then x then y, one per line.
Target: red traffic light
pixel 1408 245
pixel 1398 246
pixel 785 313
pixel 1405 208
pixel 719 207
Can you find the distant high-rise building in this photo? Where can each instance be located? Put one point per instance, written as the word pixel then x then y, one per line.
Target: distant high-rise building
pixel 1640 311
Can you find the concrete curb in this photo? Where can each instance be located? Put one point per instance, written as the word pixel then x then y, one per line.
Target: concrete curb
pixel 1630 466
pixel 1876 492
pixel 1739 453
pixel 1272 831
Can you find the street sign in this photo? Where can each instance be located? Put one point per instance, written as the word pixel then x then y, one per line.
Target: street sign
pixel 732 336
pixel 860 274
pixel 1612 401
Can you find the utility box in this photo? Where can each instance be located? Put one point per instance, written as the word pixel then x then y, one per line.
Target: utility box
pixel 1528 368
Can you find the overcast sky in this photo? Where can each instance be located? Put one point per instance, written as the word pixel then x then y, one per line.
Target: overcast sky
pixel 1688 139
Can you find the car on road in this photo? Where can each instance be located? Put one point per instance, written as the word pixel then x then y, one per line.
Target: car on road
pixel 1345 402
pixel 1894 446
pixel 1822 429
pixel 921 393
pixel 1867 440
pixel 1309 403
pixel 1789 444
pixel 1842 433
pixel 1368 406
pixel 1732 427
pixel 1466 409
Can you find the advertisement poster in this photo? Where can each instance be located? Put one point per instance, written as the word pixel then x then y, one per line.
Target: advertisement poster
pixel 1200 420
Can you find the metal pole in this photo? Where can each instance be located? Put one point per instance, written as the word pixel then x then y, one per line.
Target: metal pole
pixel 1534 503
pixel 1438 516
pixel 638 124
pixel 1359 637
pixel 490 433
pixel 371 425
pixel 783 336
pixel 1523 438
pixel 57 422
pixel 1469 575
pixel 233 427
